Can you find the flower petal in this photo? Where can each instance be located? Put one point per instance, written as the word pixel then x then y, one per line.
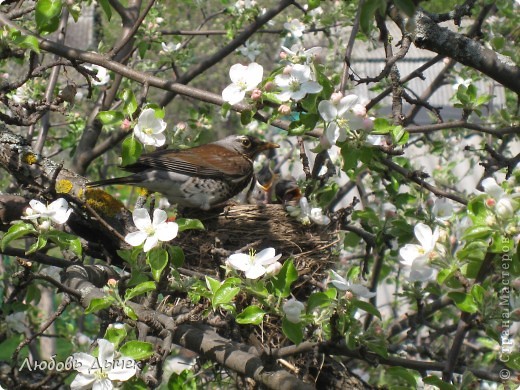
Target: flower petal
pixel 151 242
pixel 123 369
pixel 83 382
pixel 409 253
pixel 255 271
pixel 327 110
pixel 424 235
pixel 141 219
pixel 84 363
pixel 240 261
pixel 136 238
pixel 166 231
pixel 159 217
pixel 106 352
pixel 38 206
pixel 233 94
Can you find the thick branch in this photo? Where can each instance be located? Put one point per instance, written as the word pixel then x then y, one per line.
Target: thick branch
pixel 430 36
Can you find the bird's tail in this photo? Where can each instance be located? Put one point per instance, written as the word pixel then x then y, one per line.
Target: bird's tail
pixel 116 180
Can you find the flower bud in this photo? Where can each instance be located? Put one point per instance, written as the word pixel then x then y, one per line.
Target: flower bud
pixel 359 110
pixel 269 86
pixel 283 55
pixel 336 97
pixel 284 109
pixel 126 124
pixel 256 94
pixel 287 70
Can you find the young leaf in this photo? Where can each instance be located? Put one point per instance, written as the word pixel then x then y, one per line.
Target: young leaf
pixel 111 117
pixel 294 332
pixel 189 223
pixel 157 259
pixel 251 315
pixel 98 304
pixel 137 350
pixel 131 150
pixel 17 231
pixel 285 278
pixel 140 289
pixel 47 15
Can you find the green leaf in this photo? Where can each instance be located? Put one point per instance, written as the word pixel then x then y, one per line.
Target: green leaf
pixel 285 278
pixel 137 350
pixel 47 15
pixel 464 302
pixel 213 284
pixel 318 299
pixel 25 41
pixel 366 306
pixel 382 126
pixel 157 258
pixel 98 304
pixel 176 256
pixel 407 6
pixel 436 381
pixel 189 223
pixel 477 232
pixel 402 374
pixel 251 315
pixel 294 332
pixel 131 150
pixel 478 292
pixel 246 117
pixel 224 294
pixel 368 12
pixel 105 5
pixel 16 231
pixel 513 360
pixel 110 117
pixel 471 91
pixel 115 335
pixel 130 312
pixel 65 241
pixel 130 102
pixel 39 244
pixel 140 289
pixel 313 4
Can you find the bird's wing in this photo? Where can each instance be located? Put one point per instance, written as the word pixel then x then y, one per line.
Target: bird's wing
pixel 217 162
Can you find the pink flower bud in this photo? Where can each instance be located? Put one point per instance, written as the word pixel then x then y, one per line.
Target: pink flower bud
pixel 269 86
pixel 256 94
pixel 359 110
pixel 284 109
pixel 287 70
pixel 336 97
pixel 368 123
pixel 126 124
pixel 181 126
pixel 490 202
pixel 283 55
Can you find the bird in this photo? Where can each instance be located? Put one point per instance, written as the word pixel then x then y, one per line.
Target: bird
pixel 203 177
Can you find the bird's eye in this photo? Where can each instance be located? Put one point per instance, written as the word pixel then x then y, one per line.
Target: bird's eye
pixel 246 142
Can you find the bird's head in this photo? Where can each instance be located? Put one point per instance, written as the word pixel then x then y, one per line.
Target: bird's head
pixel 247 145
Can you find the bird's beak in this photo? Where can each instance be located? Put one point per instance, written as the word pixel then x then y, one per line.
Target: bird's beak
pixel 267 146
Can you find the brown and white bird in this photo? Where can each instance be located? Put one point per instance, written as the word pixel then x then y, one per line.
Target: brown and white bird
pixel 202 177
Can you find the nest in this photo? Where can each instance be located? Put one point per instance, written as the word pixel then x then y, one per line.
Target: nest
pixel 241 227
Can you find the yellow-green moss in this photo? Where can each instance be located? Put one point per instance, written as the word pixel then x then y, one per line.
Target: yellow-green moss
pixel 63 186
pixel 29 158
pixel 102 202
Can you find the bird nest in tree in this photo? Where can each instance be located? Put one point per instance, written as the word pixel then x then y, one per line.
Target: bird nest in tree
pixel 241 227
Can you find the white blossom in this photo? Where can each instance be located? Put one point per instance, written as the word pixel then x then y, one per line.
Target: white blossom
pixel 305 213
pixel 341 113
pixel 504 204
pixel 57 212
pixel 293 309
pixel 460 81
pixel 442 209
pixel 296 83
pixel 344 285
pixel 250 49
pixel 295 28
pixel 151 232
pixel 416 257
pixel 149 129
pixel 298 54
pixel 170 47
pixel 244 79
pixel 254 264
pixel 99 372
pixel 102 74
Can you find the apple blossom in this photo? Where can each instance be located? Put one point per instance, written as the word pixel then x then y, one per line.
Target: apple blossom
pixel 297 53
pixel 99 372
pixel 295 28
pixel 344 285
pixel 296 82
pixel 151 232
pixel 255 264
pixel 442 209
pixel 171 47
pixel 250 49
pixel 503 203
pixel 244 79
pixel 416 257
pixel 102 76
pixel 293 309
pixel 149 129
pixel 57 212
pixel 305 213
